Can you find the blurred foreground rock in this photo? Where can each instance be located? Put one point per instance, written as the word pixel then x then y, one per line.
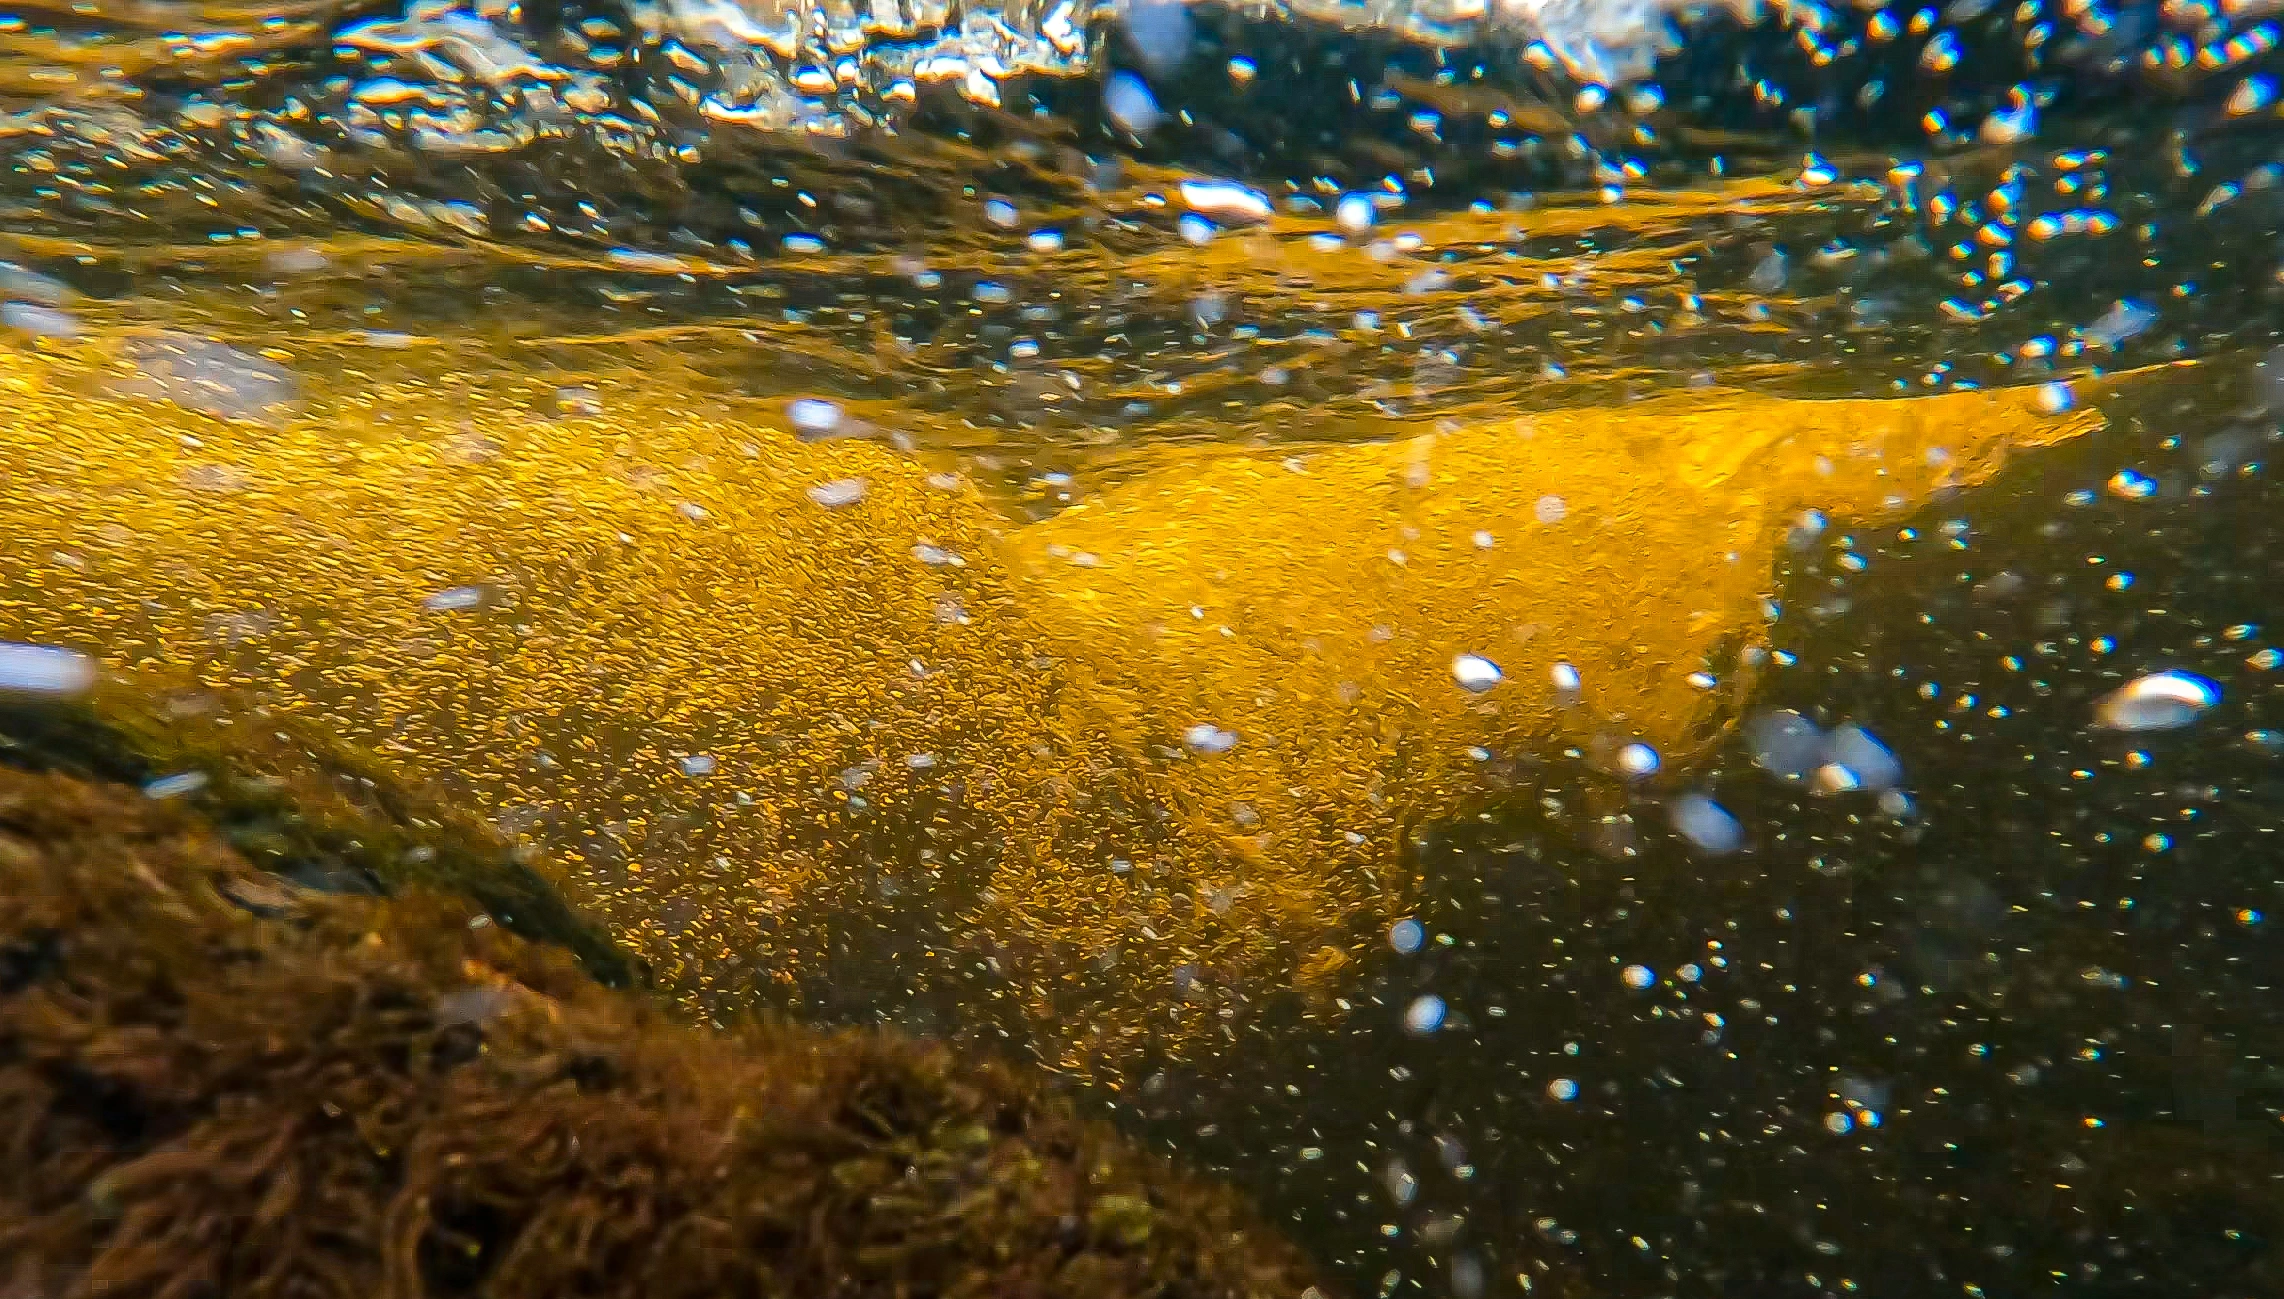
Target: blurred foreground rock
pixel 217 1081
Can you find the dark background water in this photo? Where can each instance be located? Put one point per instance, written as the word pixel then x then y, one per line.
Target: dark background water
pixel 2070 1032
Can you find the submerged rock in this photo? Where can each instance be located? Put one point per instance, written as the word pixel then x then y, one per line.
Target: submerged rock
pixel 212 1081
pixel 300 805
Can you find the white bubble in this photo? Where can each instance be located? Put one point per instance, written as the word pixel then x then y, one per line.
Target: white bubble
pixel 1768 275
pixel 24 284
pixel 1205 737
pixel 1860 752
pixel 175 786
pixel 2121 322
pixel 1565 678
pixel 837 493
pixel 1127 100
pixel 1407 935
pixel 1638 760
pixel 2161 701
pixel 2054 398
pixel 208 377
pixel 697 764
pixel 1706 824
pixel 38 321
pixel 1468 1279
pixel 1475 673
pixel 453 599
pixel 2132 485
pixel 1227 201
pixel 43 670
pixel 1562 1089
pixel 1424 1015
pixel 813 417
pixel 1838 1123
pixel 1550 509
pixel 1160 31
pixel 1832 778
pixel 1355 213
pixel 1639 976
pixel 1785 744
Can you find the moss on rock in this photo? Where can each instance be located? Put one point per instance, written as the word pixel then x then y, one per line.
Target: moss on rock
pixel 297 803
pixel 214 1082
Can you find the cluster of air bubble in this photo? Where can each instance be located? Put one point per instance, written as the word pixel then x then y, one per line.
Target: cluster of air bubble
pixel 479 118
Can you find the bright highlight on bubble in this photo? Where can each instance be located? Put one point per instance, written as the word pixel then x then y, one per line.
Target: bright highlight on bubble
pixel 1475 673
pixel 2161 701
pixel 43 670
pixel 1425 1015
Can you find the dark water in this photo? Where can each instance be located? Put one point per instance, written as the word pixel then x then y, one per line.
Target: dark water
pixel 2007 1028
pixel 2021 1040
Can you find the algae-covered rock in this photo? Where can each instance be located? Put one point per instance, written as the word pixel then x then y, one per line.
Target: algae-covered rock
pixel 294 802
pixel 216 1082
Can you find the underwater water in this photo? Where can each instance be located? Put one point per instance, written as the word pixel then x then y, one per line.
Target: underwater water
pixel 1596 649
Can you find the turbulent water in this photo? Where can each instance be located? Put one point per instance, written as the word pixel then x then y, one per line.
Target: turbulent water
pixel 1603 649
